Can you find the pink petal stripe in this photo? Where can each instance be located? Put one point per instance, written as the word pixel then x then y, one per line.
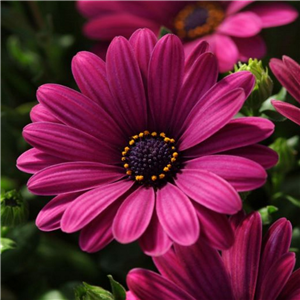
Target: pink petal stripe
pixel 243 174
pixel 202 76
pixel 205 274
pixel 237 133
pixel 292 65
pixel 200 48
pixel 89 205
pixel 49 217
pixel 126 84
pixel 72 177
pixel 177 215
pixel 276 243
pixel 276 277
pixel 203 122
pixel 275 14
pixel 216 194
pixel 68 143
pixel 163 82
pixel 148 285
pixel 40 113
pixel 235 6
pixel 134 215
pixel 286 77
pixel 244 24
pixel 263 155
pixel 215 228
pixel 291 291
pixel 98 233
pixel 242 259
pixel 288 110
pixel 253 46
pixel 155 241
pixel 34 160
pixel 80 112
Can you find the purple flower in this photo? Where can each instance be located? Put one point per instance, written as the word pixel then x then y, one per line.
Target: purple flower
pixel 149 149
pixel 231 27
pixel 251 269
pixel 287 71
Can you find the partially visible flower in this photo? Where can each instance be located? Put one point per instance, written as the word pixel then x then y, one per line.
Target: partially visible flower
pixel 252 269
pixel 150 149
pixel 287 71
pixel 231 27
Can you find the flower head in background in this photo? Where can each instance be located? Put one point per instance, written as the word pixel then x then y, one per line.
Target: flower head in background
pixel 287 71
pixel 231 27
pixel 149 149
pixel 251 269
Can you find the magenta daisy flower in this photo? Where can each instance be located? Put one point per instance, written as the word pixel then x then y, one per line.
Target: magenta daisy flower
pixel 148 150
pixel 252 269
pixel 287 71
pixel 231 27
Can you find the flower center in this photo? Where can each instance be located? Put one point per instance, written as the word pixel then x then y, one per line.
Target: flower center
pixel 199 19
pixel 150 158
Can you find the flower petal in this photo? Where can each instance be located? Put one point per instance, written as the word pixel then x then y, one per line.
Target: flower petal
pixel 155 241
pixel 243 174
pixel 90 204
pixel 134 215
pixel 292 65
pixel 40 113
pixel 177 215
pixel 291 291
pixel 203 122
pixel 148 285
pixel 216 194
pixel 235 6
pixel 95 8
pixel 274 14
pixel 126 84
pixel 242 259
pixel 244 24
pixel 164 79
pixel 288 110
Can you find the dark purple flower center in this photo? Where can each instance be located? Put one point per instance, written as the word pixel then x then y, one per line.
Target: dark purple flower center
pixel 150 158
pixel 199 19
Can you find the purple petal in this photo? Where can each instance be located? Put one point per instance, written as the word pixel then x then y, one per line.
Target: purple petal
pixel 155 241
pixel 49 217
pixel 177 215
pixel 203 122
pixel 148 285
pixel 215 228
pixel 126 84
pixel 134 215
pixel 163 81
pixel 237 133
pixel 242 259
pixel 244 24
pixel 243 174
pixel 276 277
pixel 200 48
pixel 40 113
pixel 34 160
pixel 275 14
pixel 235 6
pixel 292 65
pixel 94 8
pixel 90 204
pixel 72 177
pixel 288 110
pixel 216 194
pixel 291 291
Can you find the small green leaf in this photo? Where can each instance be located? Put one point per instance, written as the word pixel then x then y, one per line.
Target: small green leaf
pixel 163 31
pixel 118 290
pixel 267 105
pixel 7 244
pixel 266 212
pixel 293 200
pixel 91 292
pixel 273 115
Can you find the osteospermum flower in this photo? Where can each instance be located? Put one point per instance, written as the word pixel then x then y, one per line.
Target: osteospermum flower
pixel 287 71
pixel 148 150
pixel 252 269
pixel 231 27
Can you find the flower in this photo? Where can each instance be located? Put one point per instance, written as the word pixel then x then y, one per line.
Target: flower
pixel 250 269
pixel 231 27
pixel 149 131
pixel 287 71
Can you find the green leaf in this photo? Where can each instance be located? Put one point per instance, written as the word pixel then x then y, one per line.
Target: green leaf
pixel 7 244
pixel 267 105
pixel 273 115
pixel 163 31
pixel 293 200
pixel 118 290
pixel 51 295
pixel 91 292
pixel 266 212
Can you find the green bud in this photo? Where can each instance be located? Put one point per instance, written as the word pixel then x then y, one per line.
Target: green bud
pixel 262 89
pixel 91 292
pixel 14 209
pixel 266 212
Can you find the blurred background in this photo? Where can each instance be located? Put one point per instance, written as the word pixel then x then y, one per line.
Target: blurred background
pixel 39 40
